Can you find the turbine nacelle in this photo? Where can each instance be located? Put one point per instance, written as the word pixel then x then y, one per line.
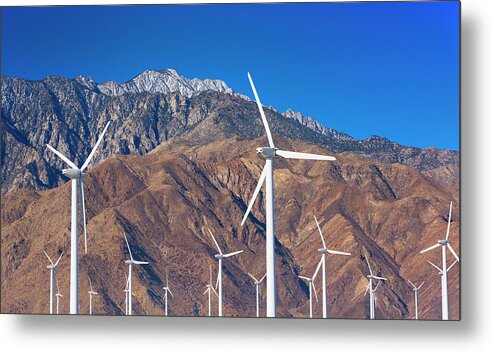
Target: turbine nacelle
pixel 443 242
pixel 266 152
pixel 72 173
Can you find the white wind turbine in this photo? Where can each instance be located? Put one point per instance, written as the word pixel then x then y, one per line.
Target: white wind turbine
pixel 372 291
pixel 77 177
pixel 219 257
pixel 58 296
pixel 312 288
pixel 440 271
pixel 444 280
pixel 52 268
pixel 416 296
pixel 210 289
pixel 258 292
pixel 269 153
pixel 166 290
pixel 131 262
pixel 91 292
pixel 324 251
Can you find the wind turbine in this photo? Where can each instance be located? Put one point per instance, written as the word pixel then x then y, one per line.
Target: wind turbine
pixel 372 291
pixel 58 296
pixel 269 153
pixel 209 290
pixel 166 290
pixel 444 280
pixel 221 256
pixel 91 292
pixel 324 251
pixel 77 177
pixel 416 295
pixel 52 268
pixel 131 262
pixel 258 292
pixel 312 288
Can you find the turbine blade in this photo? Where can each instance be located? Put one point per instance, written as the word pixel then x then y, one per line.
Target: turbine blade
pixel 411 283
pixel 452 265
pixel 217 282
pixel 47 256
pixel 449 220
pixel 216 244
pixel 435 266
pixel 452 251
pixel 379 282
pixel 337 252
pixel 90 283
pixel 63 157
pixel 83 212
pixel 251 276
pixel 129 250
pixel 304 277
pixel 61 255
pixel 263 278
pixel 380 278
pixel 204 293
pixel 431 247
pixel 255 194
pixel 233 253
pixel 317 268
pixel 320 233
pixel 88 160
pixel 262 113
pixel 303 156
pixel 140 262
pixel 170 292
pixel 369 265
pixel 314 290
pixel 367 289
pixel 422 284
pixel 210 267
pixel 215 292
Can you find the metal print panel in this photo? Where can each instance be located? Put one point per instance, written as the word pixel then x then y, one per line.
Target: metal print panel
pixel 311 170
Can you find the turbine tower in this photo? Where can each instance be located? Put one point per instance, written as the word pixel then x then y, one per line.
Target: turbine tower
pixel 166 290
pixel 91 292
pixel 58 296
pixel 210 289
pixel 258 292
pixel 312 288
pixel 126 290
pixel 416 297
pixel 219 257
pixel 77 177
pixel 269 153
pixel 325 251
pixel 131 262
pixel 444 280
pixel 372 291
pixel 52 268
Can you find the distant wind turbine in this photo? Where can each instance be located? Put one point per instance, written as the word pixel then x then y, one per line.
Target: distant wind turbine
pixel 52 268
pixel 210 289
pixel 166 290
pixel 269 153
pixel 258 292
pixel 324 251
pixel 77 177
pixel 131 262
pixel 372 291
pixel 416 297
pixel 312 288
pixel 219 257
pixel 91 292
pixel 444 280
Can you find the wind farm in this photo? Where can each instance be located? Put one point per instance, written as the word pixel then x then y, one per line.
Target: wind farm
pixel 195 207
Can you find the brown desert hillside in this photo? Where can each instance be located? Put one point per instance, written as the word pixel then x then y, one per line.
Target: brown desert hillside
pixel 165 201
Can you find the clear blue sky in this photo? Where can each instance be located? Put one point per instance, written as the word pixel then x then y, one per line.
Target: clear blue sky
pixel 390 69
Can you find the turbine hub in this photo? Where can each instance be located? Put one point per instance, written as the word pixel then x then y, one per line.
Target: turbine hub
pixel 323 250
pixel 443 242
pixel 72 173
pixel 219 256
pixel 266 152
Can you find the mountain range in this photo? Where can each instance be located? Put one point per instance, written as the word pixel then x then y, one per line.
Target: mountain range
pixel 179 158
